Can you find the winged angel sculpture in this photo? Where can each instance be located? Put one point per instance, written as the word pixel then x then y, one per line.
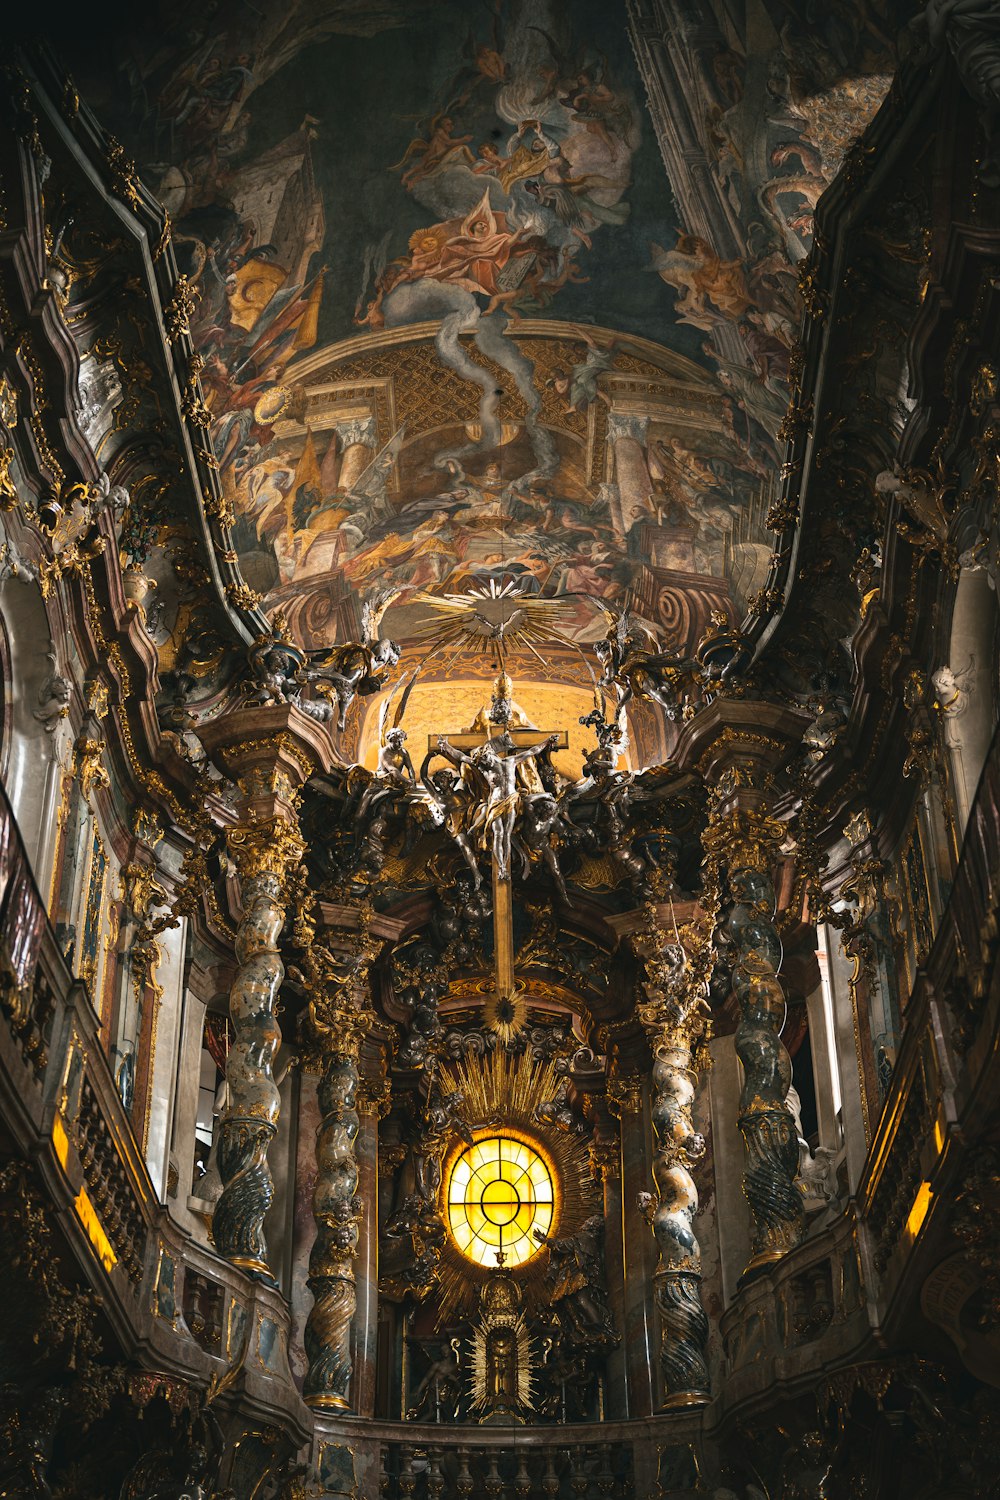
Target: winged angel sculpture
pixel 279 669
pixel 634 670
pixel 356 668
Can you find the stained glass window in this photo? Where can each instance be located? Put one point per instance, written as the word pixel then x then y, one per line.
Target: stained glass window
pixel 499 1192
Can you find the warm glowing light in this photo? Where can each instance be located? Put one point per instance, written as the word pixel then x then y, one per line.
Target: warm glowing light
pixel 918 1212
pixel 87 1214
pixel 499 1191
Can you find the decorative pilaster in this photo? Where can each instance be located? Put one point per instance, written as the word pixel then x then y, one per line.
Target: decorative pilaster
pixel 675 1014
pixel 269 752
pixel 745 838
pixel 338 1017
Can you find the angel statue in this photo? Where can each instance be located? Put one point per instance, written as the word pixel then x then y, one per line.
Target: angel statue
pixel 634 671
pixel 450 807
pixel 356 668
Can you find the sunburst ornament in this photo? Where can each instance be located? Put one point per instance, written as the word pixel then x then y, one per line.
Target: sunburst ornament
pixel 506 1015
pixel 501 1354
pixel 502 1095
pixel 495 618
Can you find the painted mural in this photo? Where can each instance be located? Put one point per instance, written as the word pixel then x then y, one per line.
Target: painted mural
pixel 452 329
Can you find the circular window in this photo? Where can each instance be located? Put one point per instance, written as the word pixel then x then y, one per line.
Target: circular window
pixel 499 1192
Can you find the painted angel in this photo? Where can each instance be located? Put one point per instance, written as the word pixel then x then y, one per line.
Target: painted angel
pixel 712 290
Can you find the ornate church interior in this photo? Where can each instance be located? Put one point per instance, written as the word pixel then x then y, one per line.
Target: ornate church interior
pixel 500 811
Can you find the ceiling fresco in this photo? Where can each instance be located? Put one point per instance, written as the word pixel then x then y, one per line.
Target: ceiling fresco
pixel 438 344
pixel 459 324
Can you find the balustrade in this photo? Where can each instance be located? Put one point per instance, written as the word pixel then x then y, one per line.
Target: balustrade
pixel 523 1463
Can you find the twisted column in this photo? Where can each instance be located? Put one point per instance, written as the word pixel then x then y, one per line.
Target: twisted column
pixel 269 751
pixel 263 852
pixel 677 1280
pixel 675 1016
pixel 337 1211
pixel 338 1017
pixel 744 838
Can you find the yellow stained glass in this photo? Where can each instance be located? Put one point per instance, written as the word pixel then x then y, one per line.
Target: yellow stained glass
pixel 499 1192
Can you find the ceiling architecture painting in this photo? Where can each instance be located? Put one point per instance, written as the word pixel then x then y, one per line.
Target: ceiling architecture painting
pixel 465 334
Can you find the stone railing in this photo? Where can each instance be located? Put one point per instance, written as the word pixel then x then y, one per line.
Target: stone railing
pixel 522 1462
pixel 179 1311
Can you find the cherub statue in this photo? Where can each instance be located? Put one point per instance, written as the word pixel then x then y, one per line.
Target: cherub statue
pixel 275 662
pixel 952 691
pixel 600 763
pixel 538 833
pixel 443 1118
pixel 356 668
pixel 53 698
pixel 556 1111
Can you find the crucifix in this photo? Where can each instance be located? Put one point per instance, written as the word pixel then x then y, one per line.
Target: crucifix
pixel 495 751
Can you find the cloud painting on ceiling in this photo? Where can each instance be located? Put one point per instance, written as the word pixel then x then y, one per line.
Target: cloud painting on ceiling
pixel 450 328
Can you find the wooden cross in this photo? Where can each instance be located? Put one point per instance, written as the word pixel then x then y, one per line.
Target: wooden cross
pixel 503 905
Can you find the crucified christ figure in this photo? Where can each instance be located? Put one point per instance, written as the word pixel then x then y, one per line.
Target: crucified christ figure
pixel 497 762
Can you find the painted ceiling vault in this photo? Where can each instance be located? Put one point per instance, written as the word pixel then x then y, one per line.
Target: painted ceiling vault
pixel 467 319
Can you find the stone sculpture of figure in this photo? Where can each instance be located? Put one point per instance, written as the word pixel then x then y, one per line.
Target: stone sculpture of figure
pixel 817 1179
pixel 417 1237
pixel 600 763
pixel 539 831
pixel 53 698
pixel 442 1119
pixel 634 671
pixel 393 773
pixel 574 1284
pixel 451 808
pixel 494 816
pixel 440 1391
pixel 952 691
pixel 557 1111
pixel 275 662
pixel 356 668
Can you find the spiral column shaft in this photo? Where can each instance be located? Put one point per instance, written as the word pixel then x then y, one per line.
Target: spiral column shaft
pixel 742 839
pixel 269 751
pixel 250 1117
pixel 677 1280
pixel 674 1013
pixel 337 1211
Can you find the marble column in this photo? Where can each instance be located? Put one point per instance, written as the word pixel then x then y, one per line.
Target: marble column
pixel 338 1018
pixel 372 1102
pixel 639 1330
pixel 674 1012
pixel 269 751
pixel 742 839
pixel 336 1209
